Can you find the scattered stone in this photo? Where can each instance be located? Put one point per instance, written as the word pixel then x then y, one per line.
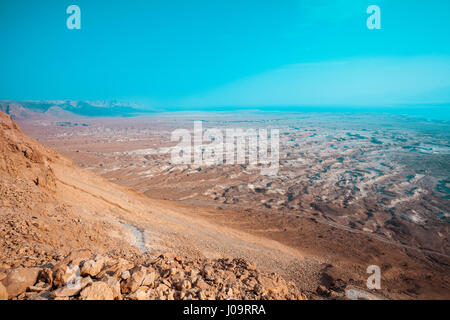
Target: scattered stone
pixel 208 271
pixel 179 259
pixel 97 291
pixel 46 275
pixel 76 257
pixel 135 281
pixel 64 273
pixel 39 287
pixel 183 285
pixel 115 269
pixel 149 278
pixel 251 266
pixel 71 289
pixel 113 284
pixel 202 295
pixel 140 294
pixel 323 291
pixel 201 284
pixel 259 289
pixel 125 275
pixel 93 267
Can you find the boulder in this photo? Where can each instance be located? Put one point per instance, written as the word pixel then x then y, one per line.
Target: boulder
pixel 18 280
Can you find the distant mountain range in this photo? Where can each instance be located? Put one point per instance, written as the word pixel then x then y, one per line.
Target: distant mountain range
pixel 22 110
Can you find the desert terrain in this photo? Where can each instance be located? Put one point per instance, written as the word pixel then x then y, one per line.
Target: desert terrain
pixel 67 233
pixel 352 190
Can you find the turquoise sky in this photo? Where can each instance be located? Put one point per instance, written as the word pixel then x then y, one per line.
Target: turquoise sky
pixel 227 53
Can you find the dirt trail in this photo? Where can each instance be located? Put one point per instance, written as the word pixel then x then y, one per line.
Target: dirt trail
pixel 297 254
pixel 174 228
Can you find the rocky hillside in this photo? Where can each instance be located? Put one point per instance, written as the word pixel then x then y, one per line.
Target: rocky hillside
pixel 66 233
pixel 55 109
pixel 35 220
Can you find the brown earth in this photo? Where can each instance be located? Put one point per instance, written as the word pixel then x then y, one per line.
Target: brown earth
pixel 49 208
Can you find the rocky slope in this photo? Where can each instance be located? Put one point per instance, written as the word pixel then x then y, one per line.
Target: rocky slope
pixel 66 233
pixel 60 109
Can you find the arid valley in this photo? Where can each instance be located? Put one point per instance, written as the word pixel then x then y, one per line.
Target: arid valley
pixel 352 190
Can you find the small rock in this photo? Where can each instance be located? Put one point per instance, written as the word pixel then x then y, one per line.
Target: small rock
pixel 97 291
pixel 200 283
pixel 72 289
pixel 45 295
pixel 139 294
pixel 208 271
pixel 93 267
pixel 168 256
pixel 135 281
pixel 46 275
pixel 323 291
pixel 115 269
pixel 76 257
pixel 149 278
pixel 183 285
pixel 251 266
pixel 161 288
pixel 171 295
pixel 166 282
pixel 272 285
pixel 113 284
pixel 259 289
pixel 39 287
pixel 179 259
pixel 125 275
pixel 202 295
pixel 64 273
